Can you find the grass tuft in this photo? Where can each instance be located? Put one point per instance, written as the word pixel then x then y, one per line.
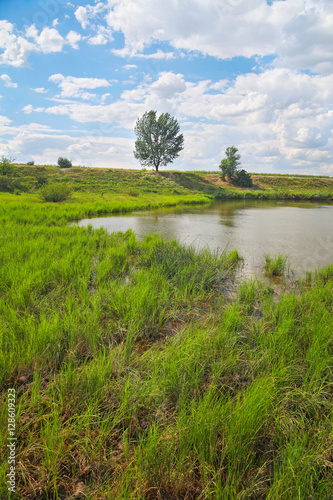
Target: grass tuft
pixel 275 266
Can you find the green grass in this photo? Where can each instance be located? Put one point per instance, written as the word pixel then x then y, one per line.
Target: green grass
pixel 137 378
pixel 275 266
pixel 106 184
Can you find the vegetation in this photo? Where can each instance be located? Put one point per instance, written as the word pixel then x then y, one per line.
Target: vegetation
pixel 90 184
pixel 275 266
pixel 229 168
pixel 158 140
pixel 6 165
pixel 135 376
pixel 242 179
pixel 64 163
pixel 55 192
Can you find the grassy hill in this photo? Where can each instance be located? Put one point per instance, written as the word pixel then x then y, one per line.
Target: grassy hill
pixel 87 183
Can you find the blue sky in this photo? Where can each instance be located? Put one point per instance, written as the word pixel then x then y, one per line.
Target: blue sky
pixel 257 74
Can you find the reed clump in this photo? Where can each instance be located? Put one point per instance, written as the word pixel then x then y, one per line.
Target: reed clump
pixel 275 266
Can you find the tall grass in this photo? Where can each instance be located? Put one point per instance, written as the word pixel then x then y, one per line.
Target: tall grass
pixel 275 266
pixel 136 378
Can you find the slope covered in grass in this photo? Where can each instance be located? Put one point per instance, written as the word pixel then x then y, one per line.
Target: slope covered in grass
pixel 89 184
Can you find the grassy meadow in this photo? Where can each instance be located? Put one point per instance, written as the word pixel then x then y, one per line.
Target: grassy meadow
pixel 136 377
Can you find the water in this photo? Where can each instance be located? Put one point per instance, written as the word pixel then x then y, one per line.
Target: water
pixel 302 231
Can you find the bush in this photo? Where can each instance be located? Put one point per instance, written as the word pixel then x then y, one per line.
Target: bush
pixel 8 185
pixel 242 179
pixel 55 192
pixel 64 163
pixel 6 165
pixel 30 163
pixel 41 181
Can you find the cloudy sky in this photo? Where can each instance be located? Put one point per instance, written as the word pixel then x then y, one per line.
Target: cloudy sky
pixel 257 74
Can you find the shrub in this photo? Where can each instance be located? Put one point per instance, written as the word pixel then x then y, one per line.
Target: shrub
pixel 30 163
pixel 6 165
pixel 8 185
pixel 55 192
pixel 242 179
pixel 41 181
pixel 64 163
pixel 132 192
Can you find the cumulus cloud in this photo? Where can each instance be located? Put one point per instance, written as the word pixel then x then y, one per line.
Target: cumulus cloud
pixel 74 87
pixel 8 81
pixel 16 49
pixel 49 40
pixel 298 32
pixel 87 15
pixel 73 38
pixel 45 144
pixel 97 40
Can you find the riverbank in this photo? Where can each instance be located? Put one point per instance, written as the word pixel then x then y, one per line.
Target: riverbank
pixel 91 184
pixel 135 377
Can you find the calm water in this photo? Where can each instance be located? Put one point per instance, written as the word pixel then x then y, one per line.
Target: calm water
pixel 303 231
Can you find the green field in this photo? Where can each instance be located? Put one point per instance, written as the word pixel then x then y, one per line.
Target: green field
pixel 135 376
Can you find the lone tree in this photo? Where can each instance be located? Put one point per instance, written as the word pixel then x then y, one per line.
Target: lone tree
pixel 229 164
pixel 229 168
pixel 158 140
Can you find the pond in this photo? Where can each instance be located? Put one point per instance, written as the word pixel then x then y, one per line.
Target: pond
pixel 301 230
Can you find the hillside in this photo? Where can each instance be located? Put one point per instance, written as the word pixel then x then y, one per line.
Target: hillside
pixel 87 182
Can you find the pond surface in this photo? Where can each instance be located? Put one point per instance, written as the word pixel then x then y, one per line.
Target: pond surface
pixel 302 231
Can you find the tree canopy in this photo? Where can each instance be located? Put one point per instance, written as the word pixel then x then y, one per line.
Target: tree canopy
pixel 158 140
pixel 229 167
pixel 229 164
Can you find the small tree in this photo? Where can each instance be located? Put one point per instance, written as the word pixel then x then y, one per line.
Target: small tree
pixel 64 163
pixel 229 164
pixel 229 167
pixel 158 140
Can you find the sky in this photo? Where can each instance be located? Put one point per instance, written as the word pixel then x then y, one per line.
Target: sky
pixel 257 74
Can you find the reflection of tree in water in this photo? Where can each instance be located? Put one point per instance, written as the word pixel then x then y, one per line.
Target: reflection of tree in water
pixel 162 222
pixel 230 211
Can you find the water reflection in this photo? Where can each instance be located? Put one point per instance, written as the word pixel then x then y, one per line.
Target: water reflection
pixel 303 231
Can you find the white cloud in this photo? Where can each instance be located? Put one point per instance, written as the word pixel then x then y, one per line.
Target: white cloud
pixel 48 41
pixel 86 15
pixel 72 38
pixel 81 15
pixel 45 144
pixel 130 66
pixel 298 32
pixel 168 85
pixel 40 90
pixel 8 81
pixel 97 40
pixel 16 49
pixel 73 87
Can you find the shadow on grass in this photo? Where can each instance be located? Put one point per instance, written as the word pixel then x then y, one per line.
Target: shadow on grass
pixel 193 182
